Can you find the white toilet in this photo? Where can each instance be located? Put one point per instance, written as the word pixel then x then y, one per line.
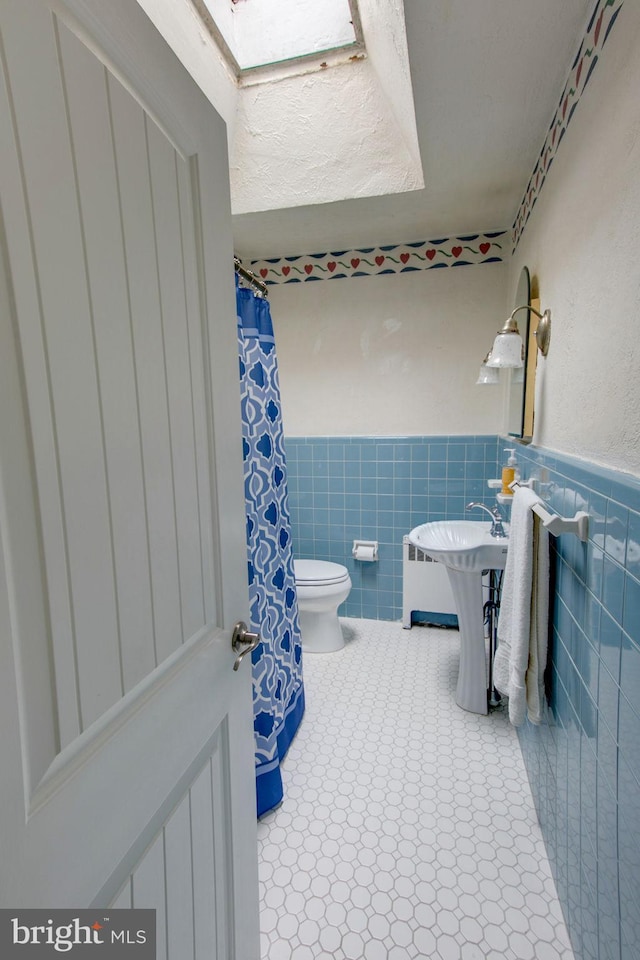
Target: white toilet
pixel 321 586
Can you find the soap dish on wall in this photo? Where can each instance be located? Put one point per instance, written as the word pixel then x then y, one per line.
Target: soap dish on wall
pixel 503 498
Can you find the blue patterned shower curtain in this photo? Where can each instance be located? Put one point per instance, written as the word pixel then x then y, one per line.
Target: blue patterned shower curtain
pixel 278 691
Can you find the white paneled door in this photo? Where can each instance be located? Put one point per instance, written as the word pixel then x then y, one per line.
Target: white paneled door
pixel 126 757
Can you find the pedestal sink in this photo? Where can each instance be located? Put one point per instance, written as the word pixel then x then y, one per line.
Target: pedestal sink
pixel 466 548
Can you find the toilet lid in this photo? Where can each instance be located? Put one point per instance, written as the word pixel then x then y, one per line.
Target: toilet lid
pixel 319 572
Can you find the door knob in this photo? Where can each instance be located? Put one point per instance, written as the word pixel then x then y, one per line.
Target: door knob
pixel 241 637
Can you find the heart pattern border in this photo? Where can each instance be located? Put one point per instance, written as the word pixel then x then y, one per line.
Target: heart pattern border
pixel 400 258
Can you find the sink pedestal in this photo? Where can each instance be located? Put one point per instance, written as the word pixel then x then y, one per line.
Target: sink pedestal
pixel 466 548
pixel 471 692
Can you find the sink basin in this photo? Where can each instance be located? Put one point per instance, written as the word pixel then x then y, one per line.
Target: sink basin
pixel 463 545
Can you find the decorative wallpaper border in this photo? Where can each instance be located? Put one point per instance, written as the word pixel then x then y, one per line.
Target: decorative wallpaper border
pixel 599 27
pixel 375 261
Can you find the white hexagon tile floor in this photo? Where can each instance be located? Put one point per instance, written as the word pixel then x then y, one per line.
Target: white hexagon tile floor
pixel 408 828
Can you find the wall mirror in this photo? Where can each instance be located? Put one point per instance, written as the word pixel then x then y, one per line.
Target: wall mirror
pixel 521 385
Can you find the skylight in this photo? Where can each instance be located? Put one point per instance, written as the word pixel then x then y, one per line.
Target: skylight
pixel 265 33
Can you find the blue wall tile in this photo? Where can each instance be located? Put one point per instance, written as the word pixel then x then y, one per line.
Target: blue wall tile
pixel 595 705
pixel 341 489
pixel 631 607
pixel 613 588
pixel 633 545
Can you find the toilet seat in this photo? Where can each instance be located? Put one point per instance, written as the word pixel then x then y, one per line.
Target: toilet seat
pixel 319 573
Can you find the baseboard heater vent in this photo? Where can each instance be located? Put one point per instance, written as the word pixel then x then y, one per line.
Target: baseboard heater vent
pixel 426 592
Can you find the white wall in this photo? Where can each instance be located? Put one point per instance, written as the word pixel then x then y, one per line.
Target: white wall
pixel 181 26
pixel 385 35
pixel 299 141
pixel 583 243
pixel 389 355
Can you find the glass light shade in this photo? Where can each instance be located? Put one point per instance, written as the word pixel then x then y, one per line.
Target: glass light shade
pixel 488 375
pixel 506 351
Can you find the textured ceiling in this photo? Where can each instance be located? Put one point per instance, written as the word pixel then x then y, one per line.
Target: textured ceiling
pixel 486 77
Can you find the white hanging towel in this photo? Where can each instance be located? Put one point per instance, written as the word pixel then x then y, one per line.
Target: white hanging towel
pixel 523 624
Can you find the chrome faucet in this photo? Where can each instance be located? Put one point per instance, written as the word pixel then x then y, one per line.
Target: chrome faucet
pixel 497 530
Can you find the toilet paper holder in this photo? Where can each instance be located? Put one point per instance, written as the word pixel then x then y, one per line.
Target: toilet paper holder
pixel 365 550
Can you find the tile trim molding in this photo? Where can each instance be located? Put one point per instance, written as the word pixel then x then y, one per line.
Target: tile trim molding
pixel 477 248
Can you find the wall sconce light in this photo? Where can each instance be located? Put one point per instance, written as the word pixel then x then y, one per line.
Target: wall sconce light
pixel 488 375
pixel 508 349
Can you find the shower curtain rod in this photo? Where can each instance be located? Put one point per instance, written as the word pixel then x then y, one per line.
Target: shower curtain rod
pixel 250 277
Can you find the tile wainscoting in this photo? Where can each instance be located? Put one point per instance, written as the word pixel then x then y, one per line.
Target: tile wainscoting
pixel 583 761
pixel 379 488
